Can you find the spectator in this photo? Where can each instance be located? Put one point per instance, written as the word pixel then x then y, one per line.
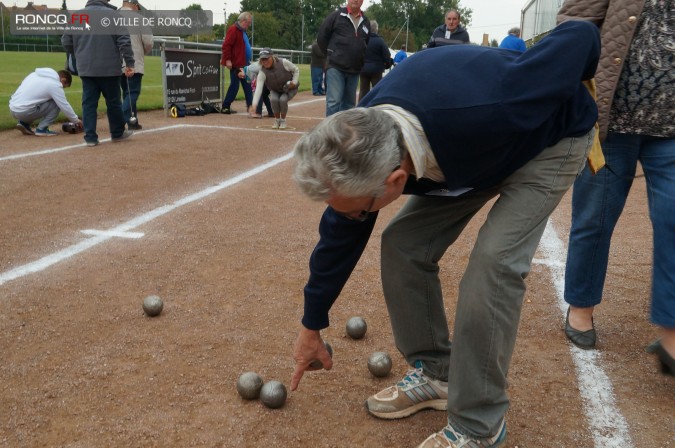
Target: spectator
pixel 281 78
pixel 635 84
pixel 450 33
pixel 378 58
pixel 250 73
pixel 141 44
pixel 98 65
pixel 400 55
pixel 513 41
pixel 343 37
pixel 41 97
pixel 541 120
pixel 318 69
pixel 237 55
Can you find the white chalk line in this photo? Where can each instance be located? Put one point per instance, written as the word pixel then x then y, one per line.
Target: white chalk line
pixel 125 228
pixel 163 128
pixel 606 423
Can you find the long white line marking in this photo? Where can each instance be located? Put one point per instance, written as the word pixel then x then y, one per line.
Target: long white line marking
pixel 163 128
pixel 607 425
pixel 126 227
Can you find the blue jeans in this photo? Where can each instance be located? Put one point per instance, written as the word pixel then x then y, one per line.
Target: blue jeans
pixel 92 88
pixel 491 291
pixel 130 94
pixel 340 90
pixel 234 88
pixel 597 203
pixel 264 99
pixel 317 80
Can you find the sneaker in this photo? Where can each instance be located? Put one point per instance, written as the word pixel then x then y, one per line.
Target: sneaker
pixel 125 135
pixel 45 132
pixel 413 393
pixel 282 124
pixel 24 128
pixel 449 437
pixel 94 143
pixel 276 124
pixel 227 111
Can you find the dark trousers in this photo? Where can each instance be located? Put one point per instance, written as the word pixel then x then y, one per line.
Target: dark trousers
pixel 234 88
pixel 264 99
pixel 368 81
pixel 92 89
pixel 130 94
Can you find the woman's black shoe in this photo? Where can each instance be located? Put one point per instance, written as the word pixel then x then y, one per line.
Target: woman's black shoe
pixel 582 339
pixel 666 362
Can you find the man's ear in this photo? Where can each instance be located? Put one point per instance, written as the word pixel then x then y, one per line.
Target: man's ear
pixel 397 178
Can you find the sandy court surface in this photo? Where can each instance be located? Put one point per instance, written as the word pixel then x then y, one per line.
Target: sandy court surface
pixel 202 212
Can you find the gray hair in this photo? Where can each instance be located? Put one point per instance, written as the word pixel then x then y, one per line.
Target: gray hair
pixel 244 16
pixel 349 154
pixel 374 27
pixel 515 31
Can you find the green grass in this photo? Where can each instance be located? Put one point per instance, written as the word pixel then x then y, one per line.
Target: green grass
pixel 17 65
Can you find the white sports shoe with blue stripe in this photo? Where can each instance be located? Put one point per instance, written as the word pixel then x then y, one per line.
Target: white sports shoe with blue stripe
pixel 412 394
pixel 449 437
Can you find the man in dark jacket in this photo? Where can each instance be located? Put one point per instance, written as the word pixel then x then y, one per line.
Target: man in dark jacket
pixel 493 124
pixel 237 54
pixel 378 58
pixel 450 33
pixel 343 37
pixel 98 65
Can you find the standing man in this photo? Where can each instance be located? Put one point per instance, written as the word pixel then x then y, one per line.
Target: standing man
pixel 141 44
pixel 541 127
pixel 450 33
pixel 41 97
pixel 317 65
pixel 343 37
pixel 237 54
pixel 98 65
pixel 513 41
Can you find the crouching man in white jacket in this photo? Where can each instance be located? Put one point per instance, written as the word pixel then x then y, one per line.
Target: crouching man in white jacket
pixel 41 97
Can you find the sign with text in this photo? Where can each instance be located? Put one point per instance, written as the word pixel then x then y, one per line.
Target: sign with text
pixel 190 76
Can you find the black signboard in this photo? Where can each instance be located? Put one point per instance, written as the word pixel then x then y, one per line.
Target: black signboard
pixel 191 76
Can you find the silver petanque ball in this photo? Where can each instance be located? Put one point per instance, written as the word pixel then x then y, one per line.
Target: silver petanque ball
pixel 133 120
pixel 356 327
pixel 379 364
pixel 152 305
pixel 273 394
pixel 318 364
pixel 249 385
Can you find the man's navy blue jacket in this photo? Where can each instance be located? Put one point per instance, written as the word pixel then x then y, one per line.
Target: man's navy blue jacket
pixel 486 112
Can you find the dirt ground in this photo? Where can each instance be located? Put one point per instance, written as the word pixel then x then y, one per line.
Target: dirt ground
pixel 177 211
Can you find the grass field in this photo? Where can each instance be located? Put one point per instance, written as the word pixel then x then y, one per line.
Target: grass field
pixel 17 65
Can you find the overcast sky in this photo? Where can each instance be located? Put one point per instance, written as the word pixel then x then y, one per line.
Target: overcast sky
pixel 493 17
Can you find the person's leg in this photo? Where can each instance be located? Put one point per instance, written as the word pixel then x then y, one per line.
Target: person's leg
pixel 492 288
pixel 111 92
pixel 364 85
pixel 49 110
pixel 268 103
pixel 126 99
pixel 335 87
pixel 597 203
pixel 377 77
pixel 283 103
pixel 91 93
pixel 349 94
pixel 412 245
pixel 135 92
pixel 657 156
pixel 317 74
pixel 248 94
pixel 232 90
